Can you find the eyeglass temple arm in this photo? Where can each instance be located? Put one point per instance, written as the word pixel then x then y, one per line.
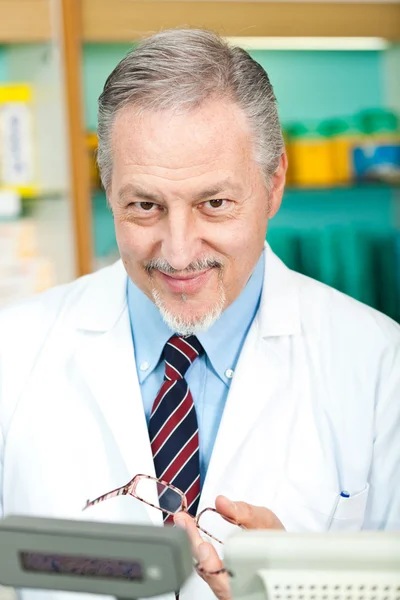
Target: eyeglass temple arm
pixel 122 491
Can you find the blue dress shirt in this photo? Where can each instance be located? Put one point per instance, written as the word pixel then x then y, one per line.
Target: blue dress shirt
pixel 210 376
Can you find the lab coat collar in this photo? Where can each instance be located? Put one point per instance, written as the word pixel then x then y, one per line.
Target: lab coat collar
pixel 105 299
pixel 279 312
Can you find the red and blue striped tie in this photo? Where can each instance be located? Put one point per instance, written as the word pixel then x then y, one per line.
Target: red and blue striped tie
pixel 173 428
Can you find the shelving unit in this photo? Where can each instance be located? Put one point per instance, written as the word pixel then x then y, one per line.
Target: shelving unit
pixel 43 43
pixel 39 66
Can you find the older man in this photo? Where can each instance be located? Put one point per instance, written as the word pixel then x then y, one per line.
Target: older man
pixel 199 359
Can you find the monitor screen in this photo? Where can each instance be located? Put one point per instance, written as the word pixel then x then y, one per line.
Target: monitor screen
pixel 85 566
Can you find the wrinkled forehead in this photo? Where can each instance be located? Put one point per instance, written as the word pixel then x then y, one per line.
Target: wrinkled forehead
pixel 214 135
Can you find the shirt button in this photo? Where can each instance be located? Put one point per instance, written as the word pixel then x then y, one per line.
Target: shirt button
pixel 229 373
pixel 144 365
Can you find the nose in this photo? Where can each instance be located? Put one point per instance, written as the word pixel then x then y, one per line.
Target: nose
pixel 181 242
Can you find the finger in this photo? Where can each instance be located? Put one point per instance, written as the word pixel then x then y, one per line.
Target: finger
pixel 248 515
pixel 185 521
pixel 209 563
pixel 206 557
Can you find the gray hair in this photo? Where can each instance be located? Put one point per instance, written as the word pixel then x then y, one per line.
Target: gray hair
pixel 179 69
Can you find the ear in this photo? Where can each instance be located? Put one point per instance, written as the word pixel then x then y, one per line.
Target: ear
pixel 277 186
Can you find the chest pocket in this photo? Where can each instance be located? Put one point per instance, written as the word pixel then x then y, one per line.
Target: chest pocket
pixel 309 508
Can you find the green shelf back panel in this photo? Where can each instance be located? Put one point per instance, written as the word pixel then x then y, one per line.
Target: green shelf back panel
pixel 322 84
pixel 3 64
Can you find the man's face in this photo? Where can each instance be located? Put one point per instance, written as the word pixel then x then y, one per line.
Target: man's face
pixel 190 208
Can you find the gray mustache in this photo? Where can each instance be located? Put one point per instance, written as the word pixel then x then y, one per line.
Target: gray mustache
pixel 159 264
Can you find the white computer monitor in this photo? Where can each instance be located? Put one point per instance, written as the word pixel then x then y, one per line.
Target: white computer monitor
pixel 314 566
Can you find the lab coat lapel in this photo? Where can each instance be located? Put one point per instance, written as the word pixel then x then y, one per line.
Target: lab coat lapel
pixel 106 362
pixel 254 385
pixel 108 366
pixel 260 375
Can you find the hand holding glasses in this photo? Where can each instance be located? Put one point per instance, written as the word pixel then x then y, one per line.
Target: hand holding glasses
pixel 169 500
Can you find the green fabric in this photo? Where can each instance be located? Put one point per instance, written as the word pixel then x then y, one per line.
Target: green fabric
pixel 355 261
pixel 387 298
pixel 285 243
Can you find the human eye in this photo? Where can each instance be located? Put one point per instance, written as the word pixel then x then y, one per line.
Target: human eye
pixel 215 204
pixel 145 206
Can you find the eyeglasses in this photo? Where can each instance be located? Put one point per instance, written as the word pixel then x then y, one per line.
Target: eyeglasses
pixel 169 500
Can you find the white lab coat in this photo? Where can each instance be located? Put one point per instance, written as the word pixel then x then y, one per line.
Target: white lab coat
pixel 313 409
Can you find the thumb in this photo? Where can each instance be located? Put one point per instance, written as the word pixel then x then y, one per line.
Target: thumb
pixel 227 508
pixel 247 515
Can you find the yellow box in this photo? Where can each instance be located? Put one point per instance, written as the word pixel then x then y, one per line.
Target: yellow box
pixel 18 92
pixel 342 157
pixel 312 162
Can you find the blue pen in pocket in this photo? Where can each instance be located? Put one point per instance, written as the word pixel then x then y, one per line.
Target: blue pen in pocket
pixel 343 494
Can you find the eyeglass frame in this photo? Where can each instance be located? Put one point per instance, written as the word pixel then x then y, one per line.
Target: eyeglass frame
pixel 130 489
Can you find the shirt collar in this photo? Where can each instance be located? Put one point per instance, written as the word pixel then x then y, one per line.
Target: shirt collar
pixel 149 331
pixel 222 342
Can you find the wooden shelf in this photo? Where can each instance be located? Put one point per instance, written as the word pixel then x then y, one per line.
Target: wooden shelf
pixel 23 21
pixel 128 20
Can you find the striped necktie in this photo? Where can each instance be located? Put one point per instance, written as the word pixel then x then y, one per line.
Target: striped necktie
pixel 173 428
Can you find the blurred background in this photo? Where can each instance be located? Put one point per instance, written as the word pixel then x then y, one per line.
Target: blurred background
pixel 335 67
